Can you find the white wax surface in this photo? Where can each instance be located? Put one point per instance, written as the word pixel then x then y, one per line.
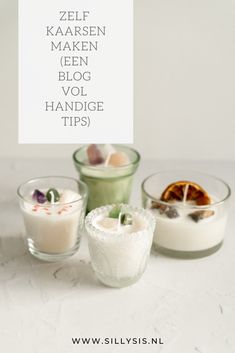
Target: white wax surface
pixel 53 228
pixel 184 234
pixel 104 169
pixel 112 225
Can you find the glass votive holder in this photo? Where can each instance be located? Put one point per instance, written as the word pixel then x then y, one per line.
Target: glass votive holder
pixel 119 253
pixel 192 222
pixel 107 184
pixel 53 210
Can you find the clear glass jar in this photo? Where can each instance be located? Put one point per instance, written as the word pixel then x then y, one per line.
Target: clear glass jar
pixel 53 230
pixel 185 229
pixel 119 258
pixel 107 185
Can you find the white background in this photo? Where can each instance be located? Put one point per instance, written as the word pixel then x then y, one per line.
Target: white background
pixel 184 81
pixel 111 69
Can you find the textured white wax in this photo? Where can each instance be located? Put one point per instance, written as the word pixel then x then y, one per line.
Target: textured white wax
pixel 120 252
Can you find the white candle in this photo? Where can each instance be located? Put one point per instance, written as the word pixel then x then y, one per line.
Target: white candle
pixel 53 226
pixel 190 210
pixel 119 252
pixel 53 210
pixel 184 234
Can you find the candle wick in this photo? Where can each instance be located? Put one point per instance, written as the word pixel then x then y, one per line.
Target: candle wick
pixel 108 158
pixel 119 221
pixel 52 197
pixel 185 193
pixel 52 201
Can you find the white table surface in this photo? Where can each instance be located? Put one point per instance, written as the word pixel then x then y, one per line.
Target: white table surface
pixel 190 304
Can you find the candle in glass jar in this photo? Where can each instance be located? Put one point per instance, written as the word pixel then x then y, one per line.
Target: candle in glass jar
pixel 119 242
pixel 190 220
pixel 52 216
pixel 108 172
pixel 53 226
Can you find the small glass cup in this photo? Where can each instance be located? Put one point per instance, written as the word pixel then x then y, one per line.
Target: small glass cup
pixel 119 259
pixel 182 229
pixel 107 185
pixel 53 231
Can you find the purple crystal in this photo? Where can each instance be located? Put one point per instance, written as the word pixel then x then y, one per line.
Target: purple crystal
pixel 39 196
pixel 94 155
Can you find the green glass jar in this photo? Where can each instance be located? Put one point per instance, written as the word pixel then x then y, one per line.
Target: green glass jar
pixel 107 185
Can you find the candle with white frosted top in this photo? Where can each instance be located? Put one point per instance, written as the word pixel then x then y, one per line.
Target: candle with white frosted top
pixel 119 238
pixel 191 211
pixel 53 211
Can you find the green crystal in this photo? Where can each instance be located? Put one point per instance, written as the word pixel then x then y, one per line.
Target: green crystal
pixel 126 219
pixel 115 212
pixel 53 195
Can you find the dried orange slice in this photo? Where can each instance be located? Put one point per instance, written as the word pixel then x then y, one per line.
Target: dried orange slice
pixel 186 190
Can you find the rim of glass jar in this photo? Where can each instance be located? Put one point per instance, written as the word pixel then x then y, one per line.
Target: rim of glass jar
pixel 56 177
pixel 103 234
pixel 135 162
pixel 217 203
